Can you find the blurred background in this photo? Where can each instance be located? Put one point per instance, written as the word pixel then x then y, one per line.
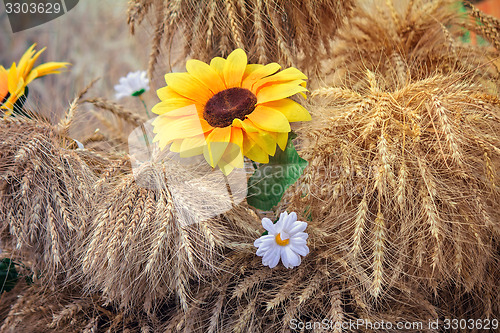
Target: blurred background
pixel 95 38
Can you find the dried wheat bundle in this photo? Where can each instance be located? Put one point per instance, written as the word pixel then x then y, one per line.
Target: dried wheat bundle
pixel 290 32
pixel 254 298
pixel 407 179
pixel 148 244
pixel 45 194
pixel 404 41
pixel 36 309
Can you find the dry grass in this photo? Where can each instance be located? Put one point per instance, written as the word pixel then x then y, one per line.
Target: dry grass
pixel 44 182
pixel 288 32
pixel 94 38
pixel 148 245
pixel 400 181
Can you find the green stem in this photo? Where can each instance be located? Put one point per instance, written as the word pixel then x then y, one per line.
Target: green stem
pixel 145 106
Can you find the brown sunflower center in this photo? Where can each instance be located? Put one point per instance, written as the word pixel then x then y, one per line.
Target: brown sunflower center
pixel 227 105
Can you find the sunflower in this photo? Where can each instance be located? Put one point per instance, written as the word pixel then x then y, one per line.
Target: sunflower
pixel 13 81
pixel 228 109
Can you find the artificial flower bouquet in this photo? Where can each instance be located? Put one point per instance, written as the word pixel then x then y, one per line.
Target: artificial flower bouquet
pixel 232 197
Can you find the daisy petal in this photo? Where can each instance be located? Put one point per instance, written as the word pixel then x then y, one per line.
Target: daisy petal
pixel 297 227
pixel 264 241
pixel 269 119
pixel 275 260
pixel 284 256
pixel 234 68
pixel 268 225
pixel 292 257
pixel 303 250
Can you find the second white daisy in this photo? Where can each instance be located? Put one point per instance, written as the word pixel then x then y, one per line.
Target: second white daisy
pixel 286 240
pixel 134 84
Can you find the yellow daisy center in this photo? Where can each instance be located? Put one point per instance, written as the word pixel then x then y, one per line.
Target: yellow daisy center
pixel 281 242
pixel 229 104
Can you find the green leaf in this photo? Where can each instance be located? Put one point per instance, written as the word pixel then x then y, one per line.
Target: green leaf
pixel 268 183
pixel 8 275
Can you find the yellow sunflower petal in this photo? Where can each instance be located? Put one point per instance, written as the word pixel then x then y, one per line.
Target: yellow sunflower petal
pixel 13 80
pixel 31 76
pixel 250 69
pixel 218 64
pixel 205 74
pixel 292 110
pixel 29 67
pixel 269 119
pixel 237 136
pixel 253 151
pixel 167 93
pixel 193 146
pixel 260 73
pixel 175 107
pixel 289 74
pixel 186 85
pixel 168 130
pixel 4 83
pixel 9 103
pixel 49 68
pixel 265 141
pixel 234 68
pixel 27 58
pixel 176 145
pixel 232 158
pixel 225 167
pixel 217 142
pixel 279 91
pixel 245 125
pixel 282 140
pixel 234 155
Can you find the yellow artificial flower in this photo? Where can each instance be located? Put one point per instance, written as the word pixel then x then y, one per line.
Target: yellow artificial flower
pixel 13 81
pixel 229 109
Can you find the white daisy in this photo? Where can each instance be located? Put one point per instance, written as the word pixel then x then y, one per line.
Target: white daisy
pixel 286 240
pixel 134 84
